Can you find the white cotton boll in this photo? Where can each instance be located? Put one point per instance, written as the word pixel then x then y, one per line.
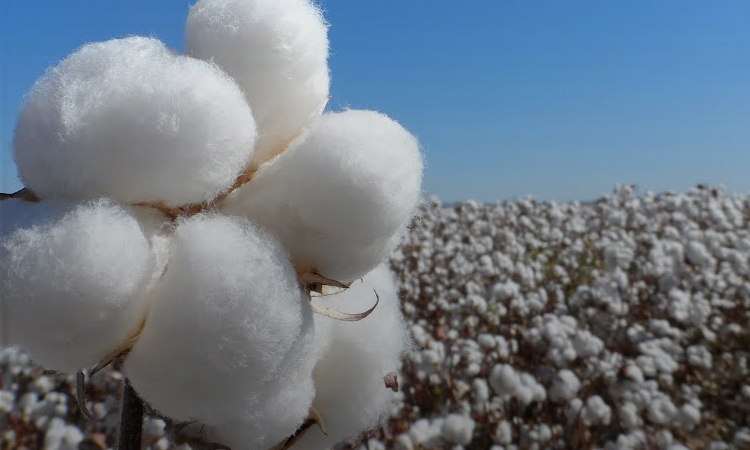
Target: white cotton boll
pixel 458 429
pixel 425 433
pixel 351 396
pixel 132 120
pixel 227 317
pixel 60 436
pixel 277 50
pixel 629 417
pixel 73 279
pixel 565 386
pixel 284 403
pixel 341 196
pixel 596 411
pixel 285 400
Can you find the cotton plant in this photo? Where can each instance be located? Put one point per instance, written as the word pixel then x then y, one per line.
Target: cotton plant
pixel 188 216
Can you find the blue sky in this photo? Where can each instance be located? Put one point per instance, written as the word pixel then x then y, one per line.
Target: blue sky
pixel 557 99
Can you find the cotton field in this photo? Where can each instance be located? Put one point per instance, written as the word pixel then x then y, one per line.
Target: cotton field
pixel 618 324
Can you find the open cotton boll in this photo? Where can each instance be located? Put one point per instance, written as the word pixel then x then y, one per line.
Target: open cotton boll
pixel 284 404
pixel 131 120
pixel 277 50
pixel 340 196
pixel 351 396
pixel 226 316
pixel 15 214
pixel 73 281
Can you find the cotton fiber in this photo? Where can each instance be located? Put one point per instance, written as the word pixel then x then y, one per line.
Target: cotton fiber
pixel 131 120
pixel 226 316
pixel 14 214
pixel 73 279
pixel 285 402
pixel 277 50
pixel 341 196
pixel 351 396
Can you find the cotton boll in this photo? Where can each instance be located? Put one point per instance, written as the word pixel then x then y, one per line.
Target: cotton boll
pixel 341 196
pixel 458 429
pixel 15 214
pixel 73 279
pixel 227 315
pixel 351 396
pixel 277 50
pixel 131 120
pixel 269 421
pixel 284 405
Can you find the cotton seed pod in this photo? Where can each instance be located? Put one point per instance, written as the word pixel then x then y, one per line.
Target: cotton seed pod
pixel 351 396
pixel 225 317
pixel 73 279
pixel 277 50
pixel 131 120
pixel 341 196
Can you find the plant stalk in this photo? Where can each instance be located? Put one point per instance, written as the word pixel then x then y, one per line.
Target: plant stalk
pixel 131 420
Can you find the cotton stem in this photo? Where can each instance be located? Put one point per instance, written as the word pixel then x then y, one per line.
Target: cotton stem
pixel 131 420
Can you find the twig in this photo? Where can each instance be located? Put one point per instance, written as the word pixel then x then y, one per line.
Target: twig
pixel 81 394
pixel 173 212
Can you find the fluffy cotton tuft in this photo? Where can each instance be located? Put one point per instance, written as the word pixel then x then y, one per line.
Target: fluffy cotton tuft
pixel 73 279
pixel 227 321
pixel 351 396
pixel 277 50
pixel 131 120
pixel 285 403
pixel 341 196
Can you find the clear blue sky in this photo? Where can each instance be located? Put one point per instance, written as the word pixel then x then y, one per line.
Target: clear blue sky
pixel 560 99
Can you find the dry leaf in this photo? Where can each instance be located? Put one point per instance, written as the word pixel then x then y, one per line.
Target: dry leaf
pixel 391 381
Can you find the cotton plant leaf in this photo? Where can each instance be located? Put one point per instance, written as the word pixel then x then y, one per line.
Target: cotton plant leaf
pixel 391 381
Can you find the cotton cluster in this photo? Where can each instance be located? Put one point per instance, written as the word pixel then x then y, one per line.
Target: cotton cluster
pixel 73 278
pixel 596 411
pixel 452 431
pixel 350 392
pixel 61 436
pixel 565 386
pixel 160 227
pixel 277 50
pixel 341 196
pixel 508 383
pixel 213 321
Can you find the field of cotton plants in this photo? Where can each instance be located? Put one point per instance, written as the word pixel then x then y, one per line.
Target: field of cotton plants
pixel 621 323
